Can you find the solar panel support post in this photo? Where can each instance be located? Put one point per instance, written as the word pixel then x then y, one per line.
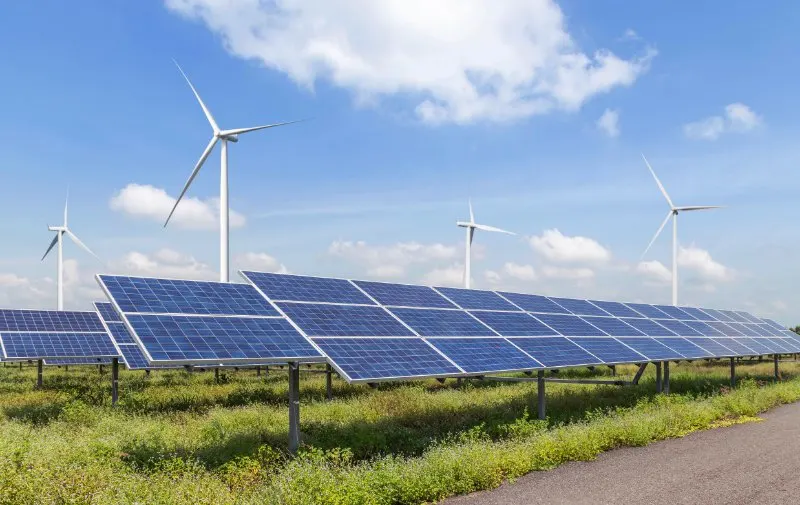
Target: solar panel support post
pixel 540 394
pixel 659 386
pixel 39 377
pixel 613 370
pixel 328 383
pixel 777 371
pixel 216 375
pixel 639 373
pixel 666 378
pixel 733 372
pixel 258 371
pixel 294 407
pixel 147 373
pixel 114 380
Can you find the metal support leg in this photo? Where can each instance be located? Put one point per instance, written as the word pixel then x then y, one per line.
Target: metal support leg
pixel 114 381
pixel 266 370
pixel 216 375
pixel 328 383
pixel 294 407
pixel 733 372
pixel 20 366
pixel 258 371
pixel 540 391
pixel 666 377
pixel 777 372
pixel 613 370
pixel 66 368
pixel 659 386
pixel 147 373
pixel 101 369
pixel 639 373
pixel 39 374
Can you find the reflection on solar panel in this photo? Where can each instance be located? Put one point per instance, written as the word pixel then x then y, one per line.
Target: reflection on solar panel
pixel 555 352
pixel 513 324
pixel 478 355
pixel 648 311
pixel 579 307
pixel 648 327
pixel 609 350
pixel 651 348
pixel 317 320
pixel 616 308
pixel 476 299
pixel 686 348
pixel 679 328
pixel 404 295
pixel 298 288
pixel 613 326
pixel 569 325
pixel 372 359
pixel 534 303
pixel 442 323
pixel 675 312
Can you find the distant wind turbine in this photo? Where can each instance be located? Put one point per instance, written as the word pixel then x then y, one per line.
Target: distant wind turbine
pixel 471 226
pixel 673 213
pixel 222 136
pixel 58 239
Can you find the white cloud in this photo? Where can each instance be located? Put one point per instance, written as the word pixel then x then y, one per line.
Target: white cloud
pixel 261 262
pixel 655 271
pixel 521 272
pixel 574 274
pixel 149 202
pixel 459 60
pixel 609 123
pixel 391 261
pixel 452 275
pixel 492 277
pixel 557 247
pixel 701 263
pixel 738 118
pixel 165 263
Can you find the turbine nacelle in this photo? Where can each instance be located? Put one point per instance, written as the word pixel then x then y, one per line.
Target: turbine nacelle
pixel 229 138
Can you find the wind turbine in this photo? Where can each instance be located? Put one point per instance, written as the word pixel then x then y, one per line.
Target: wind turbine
pixel 222 136
pixel 471 226
pixel 672 213
pixel 58 239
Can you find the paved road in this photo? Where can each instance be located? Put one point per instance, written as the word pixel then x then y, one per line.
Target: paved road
pixel 754 463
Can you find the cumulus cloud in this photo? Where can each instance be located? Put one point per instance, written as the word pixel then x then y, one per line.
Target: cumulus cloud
pixel 148 202
pixel 165 263
pixel 557 247
pixel 520 272
pixel 391 261
pixel 261 262
pixel 702 264
pixel 458 60
pixel 738 118
pixel 609 123
pixel 449 276
pixel 654 271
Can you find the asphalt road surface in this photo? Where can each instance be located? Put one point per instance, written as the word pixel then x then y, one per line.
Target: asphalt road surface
pixel 754 463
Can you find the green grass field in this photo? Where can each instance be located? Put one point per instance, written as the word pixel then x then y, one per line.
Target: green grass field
pixel 178 437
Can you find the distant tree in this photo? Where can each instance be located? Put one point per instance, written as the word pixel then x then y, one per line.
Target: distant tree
pixel 796 329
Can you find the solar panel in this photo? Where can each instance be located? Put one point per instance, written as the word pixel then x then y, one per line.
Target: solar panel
pixel 648 327
pixel 680 328
pixel 476 299
pixel 404 295
pixel 374 359
pixel 36 345
pixel 569 325
pixel 609 350
pixel 648 311
pixel 555 352
pixel 750 317
pixel 686 348
pixel 712 346
pixel 167 296
pixel 651 348
pixel 479 355
pixel 736 317
pixel 134 359
pixel 120 333
pixel 773 332
pixel 745 329
pixel 513 324
pixel 718 315
pixel 322 320
pixel 579 307
pixel 756 329
pixel 697 313
pixel 774 324
pixel 791 345
pixel 704 329
pixel 725 329
pixel 675 312
pixel 534 303
pixel 49 320
pixel 107 312
pixel 738 348
pixel 76 361
pixel 613 326
pixel 442 323
pixel 298 288
pixel 760 346
pixel 616 308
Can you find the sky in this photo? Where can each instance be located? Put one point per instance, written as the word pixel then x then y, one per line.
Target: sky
pixel 538 111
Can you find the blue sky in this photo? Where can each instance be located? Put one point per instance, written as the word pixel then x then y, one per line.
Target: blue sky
pixel 415 108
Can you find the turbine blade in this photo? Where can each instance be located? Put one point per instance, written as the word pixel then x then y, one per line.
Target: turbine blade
pixel 80 244
pixel 239 131
pixel 471 234
pixel 660 228
pixel 471 215
pixel 52 245
pixel 66 204
pixel 197 95
pixel 698 207
pixel 493 229
pixel 660 186
pixel 197 167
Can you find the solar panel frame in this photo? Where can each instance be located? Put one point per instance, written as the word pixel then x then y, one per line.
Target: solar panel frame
pixel 697 313
pixel 404 295
pixel 335 320
pixel 685 347
pixel 738 348
pixel 610 350
pixel 704 329
pixel 479 355
pixel 556 352
pixel 313 290
pixel 476 299
pixel 442 322
pixel 513 324
pixel 649 327
pixel 651 348
pixel 647 310
pixel 724 328
pixel 680 328
pixel 617 309
pixel 718 315
pixel 675 312
pixel 533 303
pixel 27 345
pixel 735 316
pixel 570 325
pixel 750 317
pixel 761 346
pixel 613 326
pixel 76 361
pixel 716 349
pixel 579 307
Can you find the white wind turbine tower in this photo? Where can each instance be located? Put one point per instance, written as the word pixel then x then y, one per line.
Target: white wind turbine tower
pixel 222 136
pixel 59 239
pixel 673 213
pixel 471 226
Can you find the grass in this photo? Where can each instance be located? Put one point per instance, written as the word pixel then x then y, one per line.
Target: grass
pixel 178 437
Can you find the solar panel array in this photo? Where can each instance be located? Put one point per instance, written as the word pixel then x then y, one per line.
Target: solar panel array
pixel 40 334
pixel 372 331
pixel 176 322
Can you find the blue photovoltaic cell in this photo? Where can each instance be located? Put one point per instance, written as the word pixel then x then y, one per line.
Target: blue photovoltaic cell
pixel 513 324
pixel 651 348
pixel 476 299
pixel 166 296
pixel 298 288
pixel 193 338
pixel 773 332
pixel 649 327
pixel 320 320
pixel 442 323
pixel 478 355
pixel 364 359
pixel 134 359
pixel 579 307
pixel 737 348
pixel 404 295
pixel 648 311
pixel 715 348
pixel 609 350
pixel 725 329
pixel 77 361
pixel 555 351
pixel 704 329
pixel 742 328
pixel 107 312
pixel 49 320
pixel 756 329
pixel 534 303
pixel 680 328
pixel 33 345
pixel 779 345
pixel 686 348
pixel 569 325
pixel 774 324
pixel 675 312
pixel 750 317
pixel 718 315
pixel 697 313
pixel 120 333
pixel 789 343
pixel 760 346
pixel 736 317
pixel 613 326
pixel 616 308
